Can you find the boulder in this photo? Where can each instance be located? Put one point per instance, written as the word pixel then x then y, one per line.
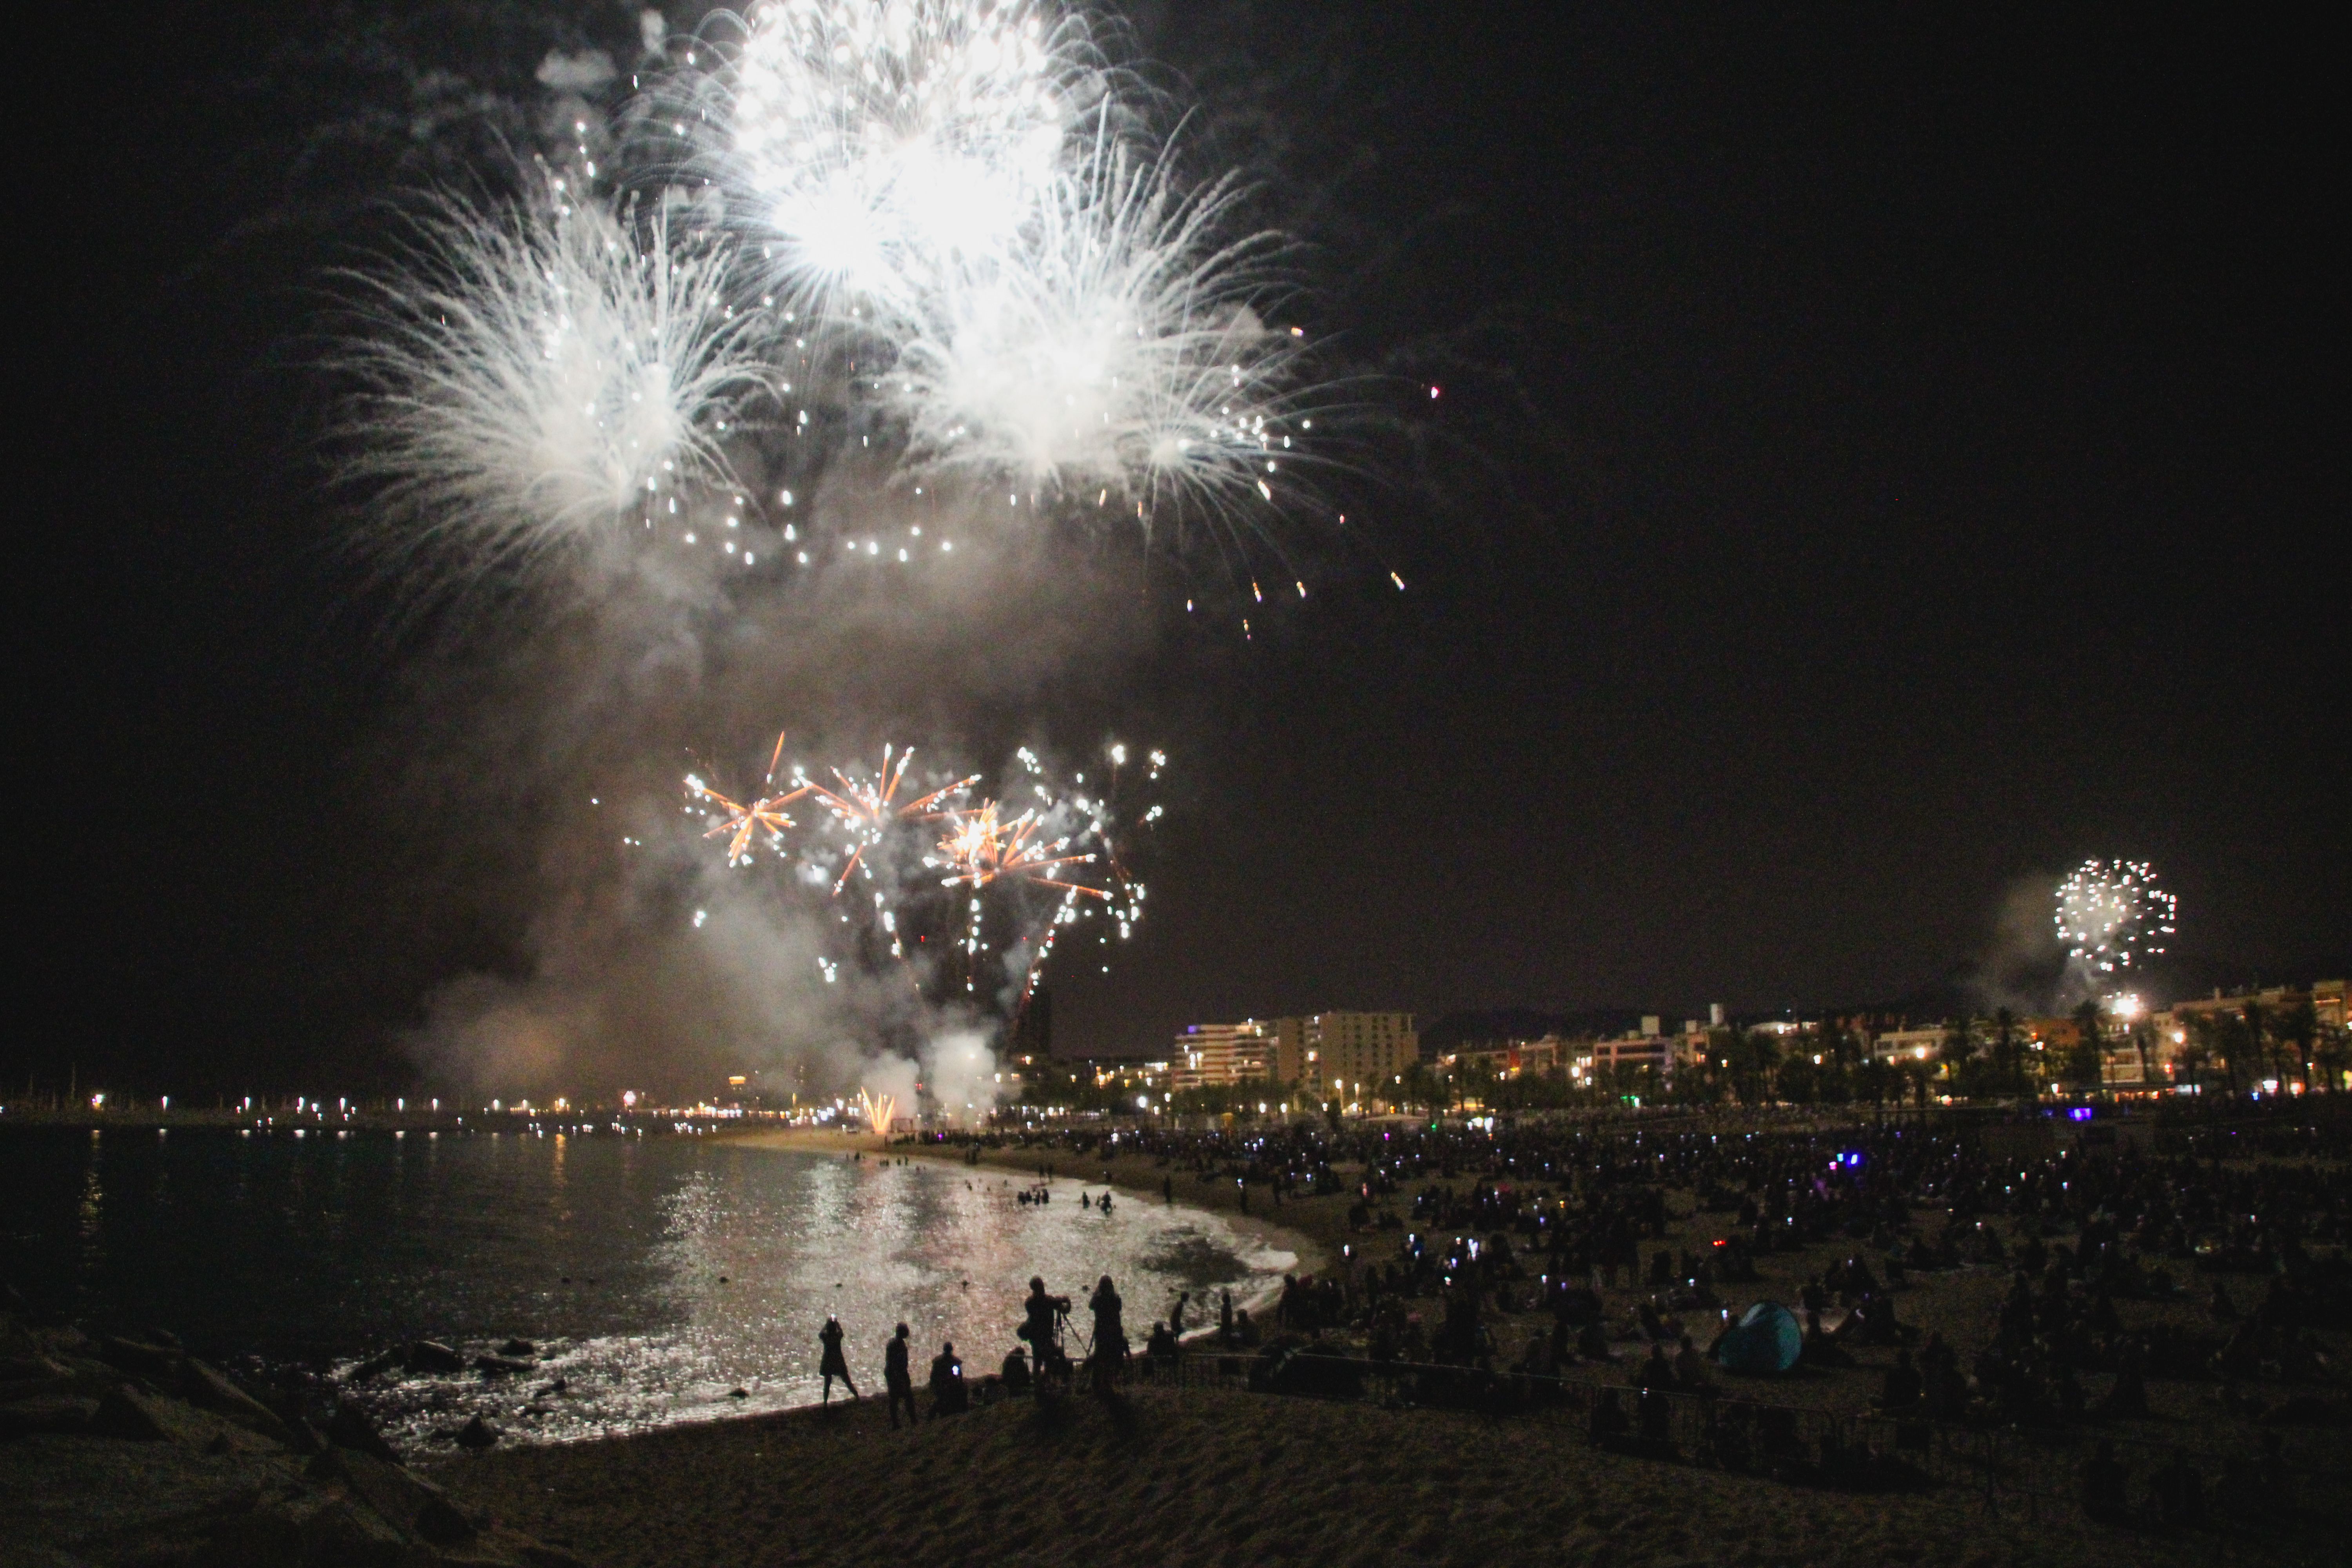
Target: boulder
pixel 352 1536
pixel 31 1417
pixel 409 1501
pixel 350 1428
pixel 58 1387
pixel 159 1364
pixel 517 1347
pixel 375 1365
pixel 431 1356
pixel 207 1389
pixel 478 1433
pixel 130 1416
pixel 499 1365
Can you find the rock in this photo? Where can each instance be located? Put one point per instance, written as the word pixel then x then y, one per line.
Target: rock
pixel 129 1415
pixel 375 1365
pixel 164 1337
pixel 268 1538
pixel 517 1347
pixel 27 1368
pixel 341 1533
pixel 350 1428
pixel 408 1500
pixel 478 1433
pixel 431 1356
pixel 158 1365
pixel 499 1365
pixel 206 1388
pixel 440 1521
pixel 542 1556
pixel 31 1417
pixel 19 1388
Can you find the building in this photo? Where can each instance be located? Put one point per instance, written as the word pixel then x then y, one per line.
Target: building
pixel 1908 1044
pixel 1639 1049
pixel 1219 1056
pixel 1354 1056
pixel 1509 1058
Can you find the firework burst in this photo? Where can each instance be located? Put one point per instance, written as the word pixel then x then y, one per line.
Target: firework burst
pixel 2111 915
pixel 535 375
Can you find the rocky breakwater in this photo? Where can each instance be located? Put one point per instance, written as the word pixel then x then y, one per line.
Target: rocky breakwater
pixel 125 1450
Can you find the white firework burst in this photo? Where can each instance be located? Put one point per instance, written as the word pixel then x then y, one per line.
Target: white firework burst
pixel 2112 914
pixel 1118 346
pixel 872 144
pixel 532 376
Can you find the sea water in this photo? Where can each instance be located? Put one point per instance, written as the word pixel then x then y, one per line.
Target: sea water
pixel 658 1279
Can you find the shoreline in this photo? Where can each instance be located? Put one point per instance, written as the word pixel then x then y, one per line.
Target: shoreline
pixel 1311 1254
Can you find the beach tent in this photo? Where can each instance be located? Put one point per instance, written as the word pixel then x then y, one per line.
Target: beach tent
pixel 1767 1339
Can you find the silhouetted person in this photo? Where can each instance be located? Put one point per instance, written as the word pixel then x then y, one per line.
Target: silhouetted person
pixel 1015 1371
pixel 834 1364
pixel 1110 1334
pixel 948 1396
pixel 2103 1485
pixel 1225 1317
pixel 1900 1393
pixel 897 1376
pixel 1040 1313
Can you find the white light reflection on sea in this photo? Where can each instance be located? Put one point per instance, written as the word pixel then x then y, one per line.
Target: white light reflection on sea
pixel 754 1252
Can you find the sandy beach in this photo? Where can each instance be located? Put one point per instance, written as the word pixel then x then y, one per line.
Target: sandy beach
pixel 1216 1478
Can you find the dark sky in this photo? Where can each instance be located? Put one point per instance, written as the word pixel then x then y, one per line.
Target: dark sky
pixel 1885 457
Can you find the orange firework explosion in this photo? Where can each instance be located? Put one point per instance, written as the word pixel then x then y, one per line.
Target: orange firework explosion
pixel 983 849
pixel 881 1111
pixel 744 821
pixel 867 808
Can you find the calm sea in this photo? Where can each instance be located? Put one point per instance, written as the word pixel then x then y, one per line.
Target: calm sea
pixel 656 1276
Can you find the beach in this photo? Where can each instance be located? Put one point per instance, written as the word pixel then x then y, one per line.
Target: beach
pixel 1214 1478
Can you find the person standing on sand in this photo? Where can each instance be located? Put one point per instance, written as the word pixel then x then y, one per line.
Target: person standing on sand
pixel 834 1364
pixel 899 1378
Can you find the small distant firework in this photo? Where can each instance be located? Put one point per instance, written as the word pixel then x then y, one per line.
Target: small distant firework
pixel 536 373
pixel 2112 915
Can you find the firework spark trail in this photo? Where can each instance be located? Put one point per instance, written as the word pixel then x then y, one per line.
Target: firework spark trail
pixel 880 1110
pixel 2110 915
pixel 530 377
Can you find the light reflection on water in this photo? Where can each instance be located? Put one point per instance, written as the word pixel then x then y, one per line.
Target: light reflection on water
pixel 656 1276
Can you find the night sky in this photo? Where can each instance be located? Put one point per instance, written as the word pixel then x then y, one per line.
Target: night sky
pixel 1883 459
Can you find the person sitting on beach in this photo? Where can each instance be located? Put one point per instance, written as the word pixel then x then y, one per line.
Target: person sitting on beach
pixel 897 1377
pixel 833 1364
pixel 1592 1342
pixel 1015 1371
pixel 948 1395
pixel 1657 1371
pixel 1244 1332
pixel 1162 1349
pixel 1690 1367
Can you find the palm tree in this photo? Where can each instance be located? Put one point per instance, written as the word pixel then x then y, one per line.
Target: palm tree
pixel 2298 1027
